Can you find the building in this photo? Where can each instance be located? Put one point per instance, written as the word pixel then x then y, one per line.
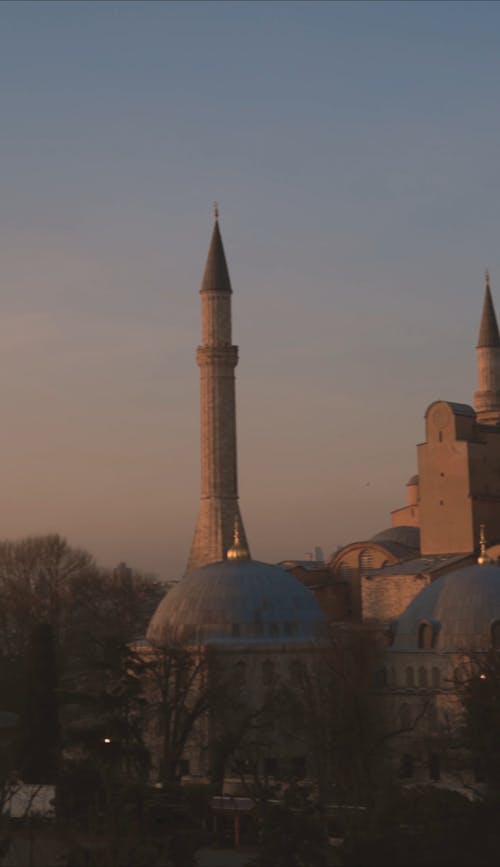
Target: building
pixel 456 491
pixel 438 644
pixel 247 624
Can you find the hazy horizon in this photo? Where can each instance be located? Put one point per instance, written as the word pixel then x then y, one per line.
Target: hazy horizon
pixel 353 150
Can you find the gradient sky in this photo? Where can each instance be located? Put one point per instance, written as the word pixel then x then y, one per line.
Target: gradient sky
pixel 354 149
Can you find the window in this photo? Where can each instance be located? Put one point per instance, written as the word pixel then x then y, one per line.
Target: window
pixel 240 673
pixel 406 766
pixel 422 676
pixel 425 636
pixel 434 767
pixel 380 678
pixel 410 677
pixel 267 672
pixel 436 677
pixel 366 559
pixel 235 632
pixel 495 635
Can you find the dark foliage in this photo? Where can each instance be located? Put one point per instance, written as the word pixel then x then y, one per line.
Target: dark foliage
pixel 39 730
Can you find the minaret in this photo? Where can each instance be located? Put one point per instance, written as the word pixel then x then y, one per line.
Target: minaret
pixel 487 396
pixel 217 359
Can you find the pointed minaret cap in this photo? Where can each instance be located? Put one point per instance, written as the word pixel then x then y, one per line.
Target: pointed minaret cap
pixel 488 331
pixel 238 551
pixel 216 276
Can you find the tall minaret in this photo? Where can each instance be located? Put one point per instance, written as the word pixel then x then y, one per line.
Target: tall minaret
pixel 487 396
pixel 217 357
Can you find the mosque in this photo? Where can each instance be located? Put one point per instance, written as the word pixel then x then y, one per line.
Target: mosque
pixel 418 584
pixel 256 620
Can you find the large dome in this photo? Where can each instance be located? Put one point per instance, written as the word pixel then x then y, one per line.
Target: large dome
pixel 461 608
pixel 238 601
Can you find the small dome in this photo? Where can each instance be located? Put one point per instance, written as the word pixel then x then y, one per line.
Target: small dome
pixel 461 607
pixel 408 536
pixel 237 600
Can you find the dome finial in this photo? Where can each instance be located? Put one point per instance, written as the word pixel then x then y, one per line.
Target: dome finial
pixel 216 211
pixel 238 551
pixel 483 557
pixel 487 279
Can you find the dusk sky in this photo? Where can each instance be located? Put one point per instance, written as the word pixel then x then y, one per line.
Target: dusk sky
pixel 354 150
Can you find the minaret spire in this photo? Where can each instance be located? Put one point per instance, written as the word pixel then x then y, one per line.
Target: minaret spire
pixel 488 331
pixel 487 397
pixel 217 359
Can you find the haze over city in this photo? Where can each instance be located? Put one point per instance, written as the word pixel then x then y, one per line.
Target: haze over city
pixel 352 148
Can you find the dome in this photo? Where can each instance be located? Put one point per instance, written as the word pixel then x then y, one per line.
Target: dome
pixel 461 608
pixel 408 536
pixel 239 601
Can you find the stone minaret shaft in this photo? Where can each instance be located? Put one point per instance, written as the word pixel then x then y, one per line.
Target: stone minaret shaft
pixel 217 359
pixel 487 397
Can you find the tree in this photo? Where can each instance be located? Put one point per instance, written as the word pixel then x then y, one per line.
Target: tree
pixel 182 687
pixel 39 740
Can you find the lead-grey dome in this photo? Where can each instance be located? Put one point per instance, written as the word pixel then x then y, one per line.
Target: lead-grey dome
pixel 404 535
pixel 461 608
pixel 239 601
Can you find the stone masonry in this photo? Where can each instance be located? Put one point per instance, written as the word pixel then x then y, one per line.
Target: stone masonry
pixel 217 359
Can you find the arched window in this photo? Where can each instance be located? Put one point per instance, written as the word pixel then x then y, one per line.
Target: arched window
pixel 495 635
pixel 436 677
pixel 425 636
pixel 380 678
pixel 422 676
pixel 267 672
pixel 366 559
pixel 410 677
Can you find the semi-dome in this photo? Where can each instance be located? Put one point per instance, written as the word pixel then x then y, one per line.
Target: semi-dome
pixel 238 600
pixel 458 610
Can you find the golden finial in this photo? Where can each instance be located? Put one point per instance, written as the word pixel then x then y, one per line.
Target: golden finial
pixel 238 551
pixel 487 278
pixel 216 210
pixel 483 557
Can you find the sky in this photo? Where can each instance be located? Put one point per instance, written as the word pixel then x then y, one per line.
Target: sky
pixel 354 151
